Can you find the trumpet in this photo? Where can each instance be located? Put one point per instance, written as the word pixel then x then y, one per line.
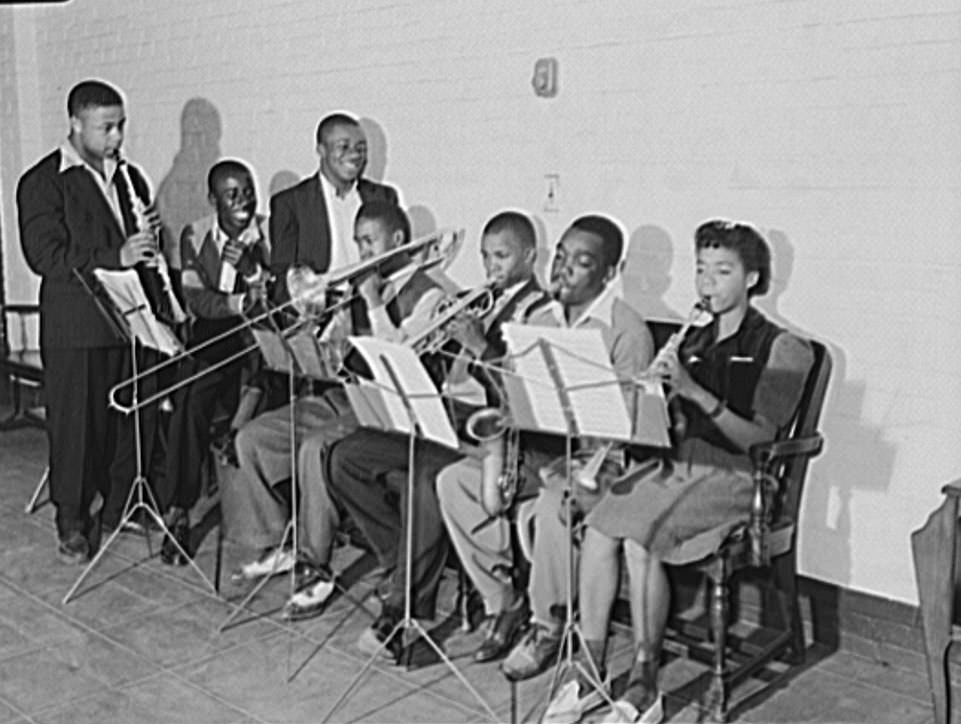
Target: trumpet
pixel 476 303
pixel 309 292
pixel 500 442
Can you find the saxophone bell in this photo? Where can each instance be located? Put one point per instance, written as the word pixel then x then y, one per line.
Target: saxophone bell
pixel 499 479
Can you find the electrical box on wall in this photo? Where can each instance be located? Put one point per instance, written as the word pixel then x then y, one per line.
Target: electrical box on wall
pixel 544 80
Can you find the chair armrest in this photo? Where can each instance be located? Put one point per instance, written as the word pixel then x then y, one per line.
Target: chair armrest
pixel 763 457
pixel 765 453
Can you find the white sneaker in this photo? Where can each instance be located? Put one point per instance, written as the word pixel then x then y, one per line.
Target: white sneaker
pixel 568 706
pixel 270 564
pixel 309 600
pixel 624 712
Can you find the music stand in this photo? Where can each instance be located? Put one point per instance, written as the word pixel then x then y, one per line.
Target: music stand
pixel 282 355
pixel 582 398
pixel 402 398
pixel 120 298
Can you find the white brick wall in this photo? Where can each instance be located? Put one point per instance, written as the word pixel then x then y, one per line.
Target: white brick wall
pixel 833 126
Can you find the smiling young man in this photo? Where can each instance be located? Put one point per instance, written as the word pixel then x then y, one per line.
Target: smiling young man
pixel 224 258
pixel 586 262
pixel 74 215
pixel 312 223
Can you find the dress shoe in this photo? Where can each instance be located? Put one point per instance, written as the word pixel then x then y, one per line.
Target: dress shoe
pixel 314 588
pixel 179 527
pixel 624 712
pixel 74 548
pixel 378 638
pixel 575 697
pixel 503 629
pixel 272 562
pixel 536 651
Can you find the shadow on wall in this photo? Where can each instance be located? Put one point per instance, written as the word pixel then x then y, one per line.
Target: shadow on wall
pixel 545 251
pixel 825 534
pixel 376 150
pixel 281 181
pixel 182 195
pixel 647 272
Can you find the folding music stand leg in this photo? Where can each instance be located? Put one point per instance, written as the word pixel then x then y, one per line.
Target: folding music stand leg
pixel 35 502
pixel 409 627
pixel 572 629
pixel 139 498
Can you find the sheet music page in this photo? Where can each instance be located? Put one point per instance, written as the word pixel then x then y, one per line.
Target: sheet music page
pixel 128 296
pixel 586 371
pixel 275 356
pixel 305 348
pixel 416 385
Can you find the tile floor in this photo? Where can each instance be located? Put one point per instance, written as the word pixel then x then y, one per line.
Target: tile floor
pixel 140 643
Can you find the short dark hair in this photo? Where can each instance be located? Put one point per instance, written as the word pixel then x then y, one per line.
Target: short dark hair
pixel 514 222
pixel 92 94
pixel 389 214
pixel 327 124
pixel 745 241
pixel 225 168
pixel 610 233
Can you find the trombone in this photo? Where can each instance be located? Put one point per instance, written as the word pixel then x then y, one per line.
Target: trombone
pixel 308 293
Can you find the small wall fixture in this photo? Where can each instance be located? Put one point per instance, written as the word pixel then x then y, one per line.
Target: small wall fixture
pixel 544 80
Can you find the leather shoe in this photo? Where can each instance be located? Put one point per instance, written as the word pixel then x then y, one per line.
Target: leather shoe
pixel 503 630
pixel 374 640
pixel 179 536
pixel 315 585
pixel 74 548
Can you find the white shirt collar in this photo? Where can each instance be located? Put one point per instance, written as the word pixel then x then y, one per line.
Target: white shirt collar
pixel 71 158
pixel 331 192
pixel 601 309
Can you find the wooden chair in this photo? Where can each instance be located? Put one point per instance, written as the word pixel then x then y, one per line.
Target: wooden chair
pixel 765 543
pixel 20 363
pixel 935 551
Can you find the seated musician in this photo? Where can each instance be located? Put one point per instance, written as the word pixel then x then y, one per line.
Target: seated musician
pixel 368 470
pixel 585 265
pixel 390 303
pixel 224 258
pixel 739 380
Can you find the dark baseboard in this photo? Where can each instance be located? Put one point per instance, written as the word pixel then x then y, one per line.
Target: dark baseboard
pixel 835 618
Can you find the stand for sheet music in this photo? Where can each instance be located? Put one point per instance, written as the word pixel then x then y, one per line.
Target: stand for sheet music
pixel 369 404
pixel 141 497
pixel 281 355
pixel 582 398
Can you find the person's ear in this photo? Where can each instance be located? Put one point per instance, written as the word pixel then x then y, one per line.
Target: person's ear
pixel 752 279
pixel 75 125
pixel 212 198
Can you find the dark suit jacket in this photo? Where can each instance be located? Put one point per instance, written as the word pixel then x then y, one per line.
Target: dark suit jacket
pixel 300 230
pixel 66 224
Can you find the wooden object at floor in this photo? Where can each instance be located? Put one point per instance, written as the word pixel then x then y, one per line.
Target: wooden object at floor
pixel 935 551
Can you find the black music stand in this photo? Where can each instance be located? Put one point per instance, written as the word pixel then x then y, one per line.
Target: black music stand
pixel 121 300
pixel 576 364
pixel 400 381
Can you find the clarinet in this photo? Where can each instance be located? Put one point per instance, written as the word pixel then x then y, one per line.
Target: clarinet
pixel 152 281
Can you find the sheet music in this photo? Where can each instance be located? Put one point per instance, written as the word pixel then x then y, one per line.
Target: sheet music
pixel 127 295
pixel 585 368
pixel 272 349
pixel 416 385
